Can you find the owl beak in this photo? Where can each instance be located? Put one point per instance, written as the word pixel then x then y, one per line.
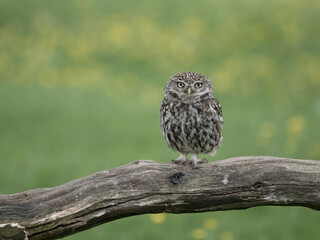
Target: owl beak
pixel 189 91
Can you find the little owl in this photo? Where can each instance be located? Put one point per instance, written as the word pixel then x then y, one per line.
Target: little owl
pixel 191 117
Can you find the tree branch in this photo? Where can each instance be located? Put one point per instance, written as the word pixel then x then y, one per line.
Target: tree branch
pixel 152 187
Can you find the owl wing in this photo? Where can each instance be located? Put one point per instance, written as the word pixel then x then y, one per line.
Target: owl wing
pixel 213 107
pixel 164 112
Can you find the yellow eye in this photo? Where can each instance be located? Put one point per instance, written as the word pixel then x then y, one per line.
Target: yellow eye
pixel 180 84
pixel 198 85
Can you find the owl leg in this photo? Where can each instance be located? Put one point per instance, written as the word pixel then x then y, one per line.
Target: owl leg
pixel 182 159
pixel 194 160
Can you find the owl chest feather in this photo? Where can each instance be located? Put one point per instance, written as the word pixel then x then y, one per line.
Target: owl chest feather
pixel 191 127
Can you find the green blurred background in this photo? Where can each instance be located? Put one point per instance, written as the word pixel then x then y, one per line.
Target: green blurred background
pixel 81 83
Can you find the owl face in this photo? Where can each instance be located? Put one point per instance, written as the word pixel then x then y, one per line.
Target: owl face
pixel 188 86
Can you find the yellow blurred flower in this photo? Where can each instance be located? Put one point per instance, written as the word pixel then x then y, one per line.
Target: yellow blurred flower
pixel 315 151
pixel 198 233
pixel 6 62
pixel 224 81
pixel 210 223
pixel 194 27
pixel 265 133
pixel 296 124
pixel 309 65
pixel 226 236
pixel 158 218
pixel 267 130
pixel 262 66
pixel 290 145
pixel 118 33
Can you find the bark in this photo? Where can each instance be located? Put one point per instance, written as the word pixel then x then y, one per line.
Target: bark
pixel 152 187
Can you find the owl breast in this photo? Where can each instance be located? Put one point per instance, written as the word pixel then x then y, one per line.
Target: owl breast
pixel 191 127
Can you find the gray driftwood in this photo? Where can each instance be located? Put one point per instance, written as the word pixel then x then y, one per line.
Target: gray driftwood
pixel 152 187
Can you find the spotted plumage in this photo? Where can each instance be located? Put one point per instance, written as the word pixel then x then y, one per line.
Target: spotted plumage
pixel 191 118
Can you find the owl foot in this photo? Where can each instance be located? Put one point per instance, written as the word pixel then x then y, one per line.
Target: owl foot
pixel 195 164
pixel 194 161
pixel 203 160
pixel 178 162
pixel 181 160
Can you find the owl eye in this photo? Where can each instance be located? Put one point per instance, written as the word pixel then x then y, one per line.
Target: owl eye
pixel 198 85
pixel 180 84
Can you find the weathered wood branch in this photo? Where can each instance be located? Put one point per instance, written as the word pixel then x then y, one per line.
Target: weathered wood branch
pixel 152 187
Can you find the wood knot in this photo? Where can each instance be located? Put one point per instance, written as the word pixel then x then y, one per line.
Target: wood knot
pixel 174 179
pixel 257 185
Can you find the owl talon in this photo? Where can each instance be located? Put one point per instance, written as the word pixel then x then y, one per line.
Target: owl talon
pixel 178 162
pixel 189 162
pixel 194 163
pixel 181 160
pixel 203 160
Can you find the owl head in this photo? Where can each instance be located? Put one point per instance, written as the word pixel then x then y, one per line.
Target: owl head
pixel 188 87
